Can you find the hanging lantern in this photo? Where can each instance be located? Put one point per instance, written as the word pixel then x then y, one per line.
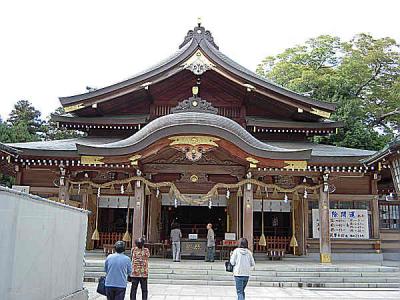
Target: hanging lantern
pixel 122 189
pixel 210 203
pixel 285 199
pixel 147 191
pixel 258 192
pixel 305 194
pixel 275 193
pixel 129 188
pixel 228 193
pixel 239 192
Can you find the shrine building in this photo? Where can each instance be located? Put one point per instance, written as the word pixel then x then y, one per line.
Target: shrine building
pixel 198 139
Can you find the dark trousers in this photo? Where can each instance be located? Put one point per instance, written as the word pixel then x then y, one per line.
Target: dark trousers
pixel 210 253
pixel 143 286
pixel 115 293
pixel 241 282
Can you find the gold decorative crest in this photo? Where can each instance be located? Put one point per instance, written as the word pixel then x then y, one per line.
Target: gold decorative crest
pixel 193 140
pixel 73 107
pixel 320 113
pixel 135 159
pixel 253 162
pixel 92 160
pixel 198 63
pixel 295 164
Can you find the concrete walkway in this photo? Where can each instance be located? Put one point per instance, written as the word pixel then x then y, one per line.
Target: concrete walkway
pixel 186 292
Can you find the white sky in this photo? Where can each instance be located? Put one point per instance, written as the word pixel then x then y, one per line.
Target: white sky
pixel 58 47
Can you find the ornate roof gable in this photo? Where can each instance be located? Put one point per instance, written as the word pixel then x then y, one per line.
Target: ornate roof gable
pixel 198 34
pixel 195 104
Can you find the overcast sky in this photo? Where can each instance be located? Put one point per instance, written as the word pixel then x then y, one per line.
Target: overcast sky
pixel 57 48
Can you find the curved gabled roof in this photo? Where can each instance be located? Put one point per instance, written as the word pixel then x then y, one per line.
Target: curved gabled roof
pixel 199 38
pixel 194 123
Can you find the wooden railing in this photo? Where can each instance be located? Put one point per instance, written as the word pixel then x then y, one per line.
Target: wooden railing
pixel 273 242
pixel 229 112
pixel 110 238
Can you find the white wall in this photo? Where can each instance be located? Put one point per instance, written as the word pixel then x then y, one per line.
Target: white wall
pixel 42 246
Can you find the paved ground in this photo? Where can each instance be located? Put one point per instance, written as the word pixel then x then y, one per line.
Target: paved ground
pixel 184 292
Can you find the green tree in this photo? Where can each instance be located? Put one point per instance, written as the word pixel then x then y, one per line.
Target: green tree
pixel 53 132
pixel 24 113
pixel 361 76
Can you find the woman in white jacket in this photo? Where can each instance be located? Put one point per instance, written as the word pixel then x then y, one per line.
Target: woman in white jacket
pixel 242 261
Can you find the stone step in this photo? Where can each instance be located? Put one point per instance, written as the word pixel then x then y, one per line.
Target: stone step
pixel 320 280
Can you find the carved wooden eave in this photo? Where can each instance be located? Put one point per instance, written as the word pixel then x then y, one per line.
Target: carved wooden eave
pixel 200 54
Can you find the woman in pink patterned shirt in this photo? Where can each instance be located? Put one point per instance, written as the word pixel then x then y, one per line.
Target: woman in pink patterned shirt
pixel 140 268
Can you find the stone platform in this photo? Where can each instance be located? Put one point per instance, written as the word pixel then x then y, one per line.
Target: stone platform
pixel 293 273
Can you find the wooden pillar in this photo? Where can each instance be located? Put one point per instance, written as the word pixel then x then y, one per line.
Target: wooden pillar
pixel 375 207
pixel 63 190
pixel 154 219
pixel 138 208
pixel 324 240
pixel 91 201
pixel 248 214
pixel 231 209
pixel 299 223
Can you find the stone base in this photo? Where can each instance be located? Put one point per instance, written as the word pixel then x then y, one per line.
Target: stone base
pixel 79 295
pixel 350 257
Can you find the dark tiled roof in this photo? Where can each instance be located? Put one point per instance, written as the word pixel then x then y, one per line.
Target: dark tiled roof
pixel 387 150
pixel 109 120
pixel 194 123
pixel 204 41
pixel 273 123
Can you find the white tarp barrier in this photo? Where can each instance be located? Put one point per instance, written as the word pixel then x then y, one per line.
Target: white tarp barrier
pixel 42 246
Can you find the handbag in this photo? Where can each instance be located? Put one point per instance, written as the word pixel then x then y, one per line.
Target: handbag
pixel 228 266
pixel 101 287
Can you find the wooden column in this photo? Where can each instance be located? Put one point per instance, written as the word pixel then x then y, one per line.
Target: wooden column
pixel 63 193
pixel 154 218
pixel 248 214
pixel 375 207
pixel 91 204
pixel 299 223
pixel 137 230
pixel 324 240
pixel 231 209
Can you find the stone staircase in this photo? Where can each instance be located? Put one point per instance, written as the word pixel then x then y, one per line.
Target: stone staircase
pixel 267 274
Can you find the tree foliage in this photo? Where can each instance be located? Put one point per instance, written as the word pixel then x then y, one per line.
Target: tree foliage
pixel 362 76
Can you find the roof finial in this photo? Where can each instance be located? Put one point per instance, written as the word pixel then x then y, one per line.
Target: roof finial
pixel 199 21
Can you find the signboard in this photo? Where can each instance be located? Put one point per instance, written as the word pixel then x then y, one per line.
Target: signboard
pixel 230 236
pixel 344 224
pixel 21 188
